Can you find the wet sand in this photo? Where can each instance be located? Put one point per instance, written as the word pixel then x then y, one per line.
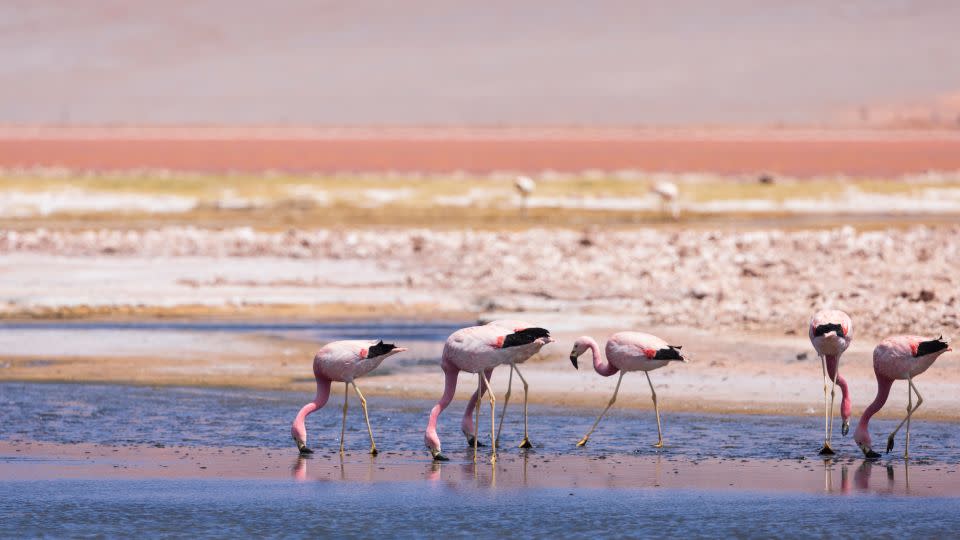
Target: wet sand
pixel 34 460
pixel 439 150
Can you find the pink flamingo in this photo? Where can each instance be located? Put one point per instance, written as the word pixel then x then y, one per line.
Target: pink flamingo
pixel 466 424
pixel 479 349
pixel 898 358
pixel 831 332
pixel 627 351
pixel 342 361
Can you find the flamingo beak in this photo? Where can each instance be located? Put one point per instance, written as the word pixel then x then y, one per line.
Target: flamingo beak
pixel 573 360
pixel 845 428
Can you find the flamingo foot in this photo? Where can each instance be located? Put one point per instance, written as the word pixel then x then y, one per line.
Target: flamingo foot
pixel 583 442
pixel 845 428
pixel 525 443
pixel 373 451
pixel 658 444
pixel 827 450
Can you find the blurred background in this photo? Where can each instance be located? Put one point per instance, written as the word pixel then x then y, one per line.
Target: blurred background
pixel 690 163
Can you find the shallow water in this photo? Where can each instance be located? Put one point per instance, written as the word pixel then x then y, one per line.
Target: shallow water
pixel 223 508
pixel 351 500
pixel 117 415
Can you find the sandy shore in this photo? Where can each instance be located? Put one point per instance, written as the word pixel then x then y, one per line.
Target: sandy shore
pixel 735 372
pixel 22 460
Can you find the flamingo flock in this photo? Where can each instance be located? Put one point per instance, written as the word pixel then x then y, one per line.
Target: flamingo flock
pixel 478 350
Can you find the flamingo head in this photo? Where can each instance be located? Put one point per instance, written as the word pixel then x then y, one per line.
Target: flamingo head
pixel 862 438
pixel 432 443
pixel 300 437
pixel 580 346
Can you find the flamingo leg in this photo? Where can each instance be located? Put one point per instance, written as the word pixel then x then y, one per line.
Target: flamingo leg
pixel 911 389
pixel 476 422
pixel 525 443
pixel 493 416
pixel 366 416
pixel 833 390
pixel 343 425
pixel 826 450
pixel 506 401
pixel 656 407
pixel 616 390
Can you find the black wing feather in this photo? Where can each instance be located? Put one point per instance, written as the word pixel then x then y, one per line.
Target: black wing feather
pixel 524 337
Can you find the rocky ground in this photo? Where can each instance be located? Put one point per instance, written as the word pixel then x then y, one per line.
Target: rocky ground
pixel 890 281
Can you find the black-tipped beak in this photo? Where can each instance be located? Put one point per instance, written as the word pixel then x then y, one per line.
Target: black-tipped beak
pixel 573 360
pixel 845 428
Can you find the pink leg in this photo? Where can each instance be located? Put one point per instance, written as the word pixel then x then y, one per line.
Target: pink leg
pixel 833 363
pixel 466 425
pixel 299 428
pixel 430 437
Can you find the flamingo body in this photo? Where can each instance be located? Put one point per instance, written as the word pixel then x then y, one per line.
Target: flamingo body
pixel 635 351
pixel 896 357
pixel 343 361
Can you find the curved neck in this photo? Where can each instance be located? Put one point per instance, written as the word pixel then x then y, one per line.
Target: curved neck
pixel 883 392
pixel 833 364
pixel 600 364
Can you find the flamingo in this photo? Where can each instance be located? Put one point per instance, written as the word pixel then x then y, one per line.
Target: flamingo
pixel 898 358
pixel 668 193
pixel 525 186
pixel 831 332
pixel 467 423
pixel 479 349
pixel 627 351
pixel 342 361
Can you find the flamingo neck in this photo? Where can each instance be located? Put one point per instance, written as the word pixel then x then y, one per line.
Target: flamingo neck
pixel 883 392
pixel 833 363
pixel 600 364
pixel 299 428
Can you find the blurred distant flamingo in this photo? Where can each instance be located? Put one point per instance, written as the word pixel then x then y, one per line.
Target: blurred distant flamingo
pixel 668 193
pixel 479 349
pixel 525 186
pixel 898 358
pixel 341 361
pixel 831 332
pixel 627 351
pixel 467 424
